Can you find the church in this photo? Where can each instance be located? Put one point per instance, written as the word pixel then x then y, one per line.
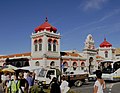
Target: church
pixel 45 52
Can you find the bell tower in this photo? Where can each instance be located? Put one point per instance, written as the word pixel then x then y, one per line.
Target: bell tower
pixel 90 53
pixel 45 46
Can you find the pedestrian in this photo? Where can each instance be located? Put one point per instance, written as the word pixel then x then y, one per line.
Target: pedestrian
pixel 25 74
pixel 64 85
pixel 55 87
pixel 13 85
pixel 32 74
pixel 4 79
pixel 99 85
pixel 30 80
pixel 23 84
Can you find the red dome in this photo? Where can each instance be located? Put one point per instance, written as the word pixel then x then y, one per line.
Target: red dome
pixel 105 44
pixel 46 26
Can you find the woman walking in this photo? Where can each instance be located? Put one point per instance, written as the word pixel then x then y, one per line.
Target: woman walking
pixel 99 85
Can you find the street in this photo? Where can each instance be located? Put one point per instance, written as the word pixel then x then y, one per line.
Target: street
pixel 88 88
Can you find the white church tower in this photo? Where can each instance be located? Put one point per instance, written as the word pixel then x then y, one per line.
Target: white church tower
pixel 90 53
pixel 45 46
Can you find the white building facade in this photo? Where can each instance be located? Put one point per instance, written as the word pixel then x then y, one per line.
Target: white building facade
pixel 45 52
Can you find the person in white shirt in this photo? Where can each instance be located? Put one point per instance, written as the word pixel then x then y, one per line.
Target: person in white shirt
pixel 3 78
pixel 64 85
pixel 99 85
pixel 25 75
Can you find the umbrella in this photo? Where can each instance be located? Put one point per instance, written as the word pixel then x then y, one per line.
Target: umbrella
pixel 8 70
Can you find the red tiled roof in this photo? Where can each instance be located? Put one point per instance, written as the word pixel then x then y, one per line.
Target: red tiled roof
pixel 16 55
pixel 99 57
pixel 72 54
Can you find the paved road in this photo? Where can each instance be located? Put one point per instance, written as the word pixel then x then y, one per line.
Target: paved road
pixel 88 88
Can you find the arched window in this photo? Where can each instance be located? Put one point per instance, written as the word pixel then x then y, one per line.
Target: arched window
pixel 54 45
pixel 52 64
pixel 106 54
pixel 82 66
pixel 65 64
pixel 49 44
pixel 37 63
pixel 74 65
pixel 35 45
pixel 40 44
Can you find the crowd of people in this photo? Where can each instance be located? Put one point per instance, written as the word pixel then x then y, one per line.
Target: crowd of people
pixel 17 83
pixel 22 82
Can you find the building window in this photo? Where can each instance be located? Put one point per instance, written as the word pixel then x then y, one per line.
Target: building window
pixel 52 64
pixel 40 44
pixel 49 44
pixel 74 65
pixel 37 63
pixel 35 45
pixel 54 45
pixel 106 54
pixel 82 66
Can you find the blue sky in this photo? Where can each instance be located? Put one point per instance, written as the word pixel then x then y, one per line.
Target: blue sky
pixel 74 19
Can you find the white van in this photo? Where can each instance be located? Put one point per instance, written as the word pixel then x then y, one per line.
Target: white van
pixel 110 71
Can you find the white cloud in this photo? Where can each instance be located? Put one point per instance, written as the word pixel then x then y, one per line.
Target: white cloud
pixel 114 12
pixel 93 4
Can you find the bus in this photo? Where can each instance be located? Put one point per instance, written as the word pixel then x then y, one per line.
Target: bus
pixel 110 70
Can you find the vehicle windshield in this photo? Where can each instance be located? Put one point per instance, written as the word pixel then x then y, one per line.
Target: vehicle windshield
pixel 42 73
pixel 107 67
pixel 116 65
